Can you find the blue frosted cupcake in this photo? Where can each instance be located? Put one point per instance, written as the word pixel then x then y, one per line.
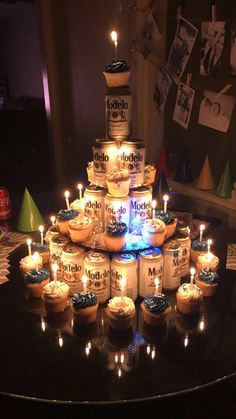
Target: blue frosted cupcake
pixel 115 236
pixel 117 73
pixel 169 220
pixel 155 309
pixel 42 249
pixel 84 307
pixel 197 248
pixel 207 281
pixel 35 281
pixel 63 218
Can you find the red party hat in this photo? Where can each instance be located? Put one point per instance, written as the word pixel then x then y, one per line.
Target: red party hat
pixel 162 163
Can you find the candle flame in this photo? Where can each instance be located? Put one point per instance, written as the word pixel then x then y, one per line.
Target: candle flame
pixel 54 268
pixel 165 198
pixel 41 229
pixel 67 194
pixel 192 271
pixel 186 341
pixel 53 219
pixel 84 279
pixel 202 227
pixel 154 204
pixel 29 241
pixel 209 242
pixel 80 186
pixel 114 36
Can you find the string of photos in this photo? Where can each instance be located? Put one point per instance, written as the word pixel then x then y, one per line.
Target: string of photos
pixel 216 108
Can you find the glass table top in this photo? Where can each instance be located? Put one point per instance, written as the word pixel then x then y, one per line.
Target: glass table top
pixel 54 359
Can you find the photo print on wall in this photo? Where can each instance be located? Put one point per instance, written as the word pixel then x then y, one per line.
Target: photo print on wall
pixel 233 49
pixel 212 45
pixel 183 105
pixel 162 89
pixel 181 49
pixel 216 111
pixel 148 35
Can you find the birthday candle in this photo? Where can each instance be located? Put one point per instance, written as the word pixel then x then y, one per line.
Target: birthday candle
pixel 165 199
pixel 84 280
pixel 53 219
pixel 154 204
pixel 202 227
pixel 54 271
pixel 156 281
pixel 41 229
pixel 80 188
pixel 192 273
pixel 209 242
pixel 67 194
pixel 29 241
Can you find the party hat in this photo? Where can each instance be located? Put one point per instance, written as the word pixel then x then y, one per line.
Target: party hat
pixel 162 163
pixel 184 172
pixel 30 218
pixel 160 187
pixel 225 186
pixel 205 179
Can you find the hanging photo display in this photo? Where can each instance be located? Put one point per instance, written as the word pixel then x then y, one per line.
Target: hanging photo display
pixel 212 45
pixel 162 88
pixel 181 49
pixel 183 105
pixel 148 35
pixel 216 111
pixel 233 49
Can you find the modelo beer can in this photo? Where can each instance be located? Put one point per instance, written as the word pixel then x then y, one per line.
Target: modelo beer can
pixel 5 207
pixel 56 247
pixel 94 202
pixel 132 156
pixel 150 267
pixel 171 265
pixel 185 244
pixel 140 205
pixel 97 270
pixel 117 209
pixel 105 157
pixel 124 265
pixel 118 112
pixel 72 258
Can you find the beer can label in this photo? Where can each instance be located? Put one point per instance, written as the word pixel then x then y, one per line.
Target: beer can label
pixel 98 280
pixel 149 269
pixel 117 210
pixel 134 160
pixel 171 269
pixel 118 116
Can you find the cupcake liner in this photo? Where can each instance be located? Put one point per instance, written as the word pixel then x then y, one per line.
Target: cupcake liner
pixel 117 79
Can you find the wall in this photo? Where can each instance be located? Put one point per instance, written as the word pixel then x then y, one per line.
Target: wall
pixel 199 140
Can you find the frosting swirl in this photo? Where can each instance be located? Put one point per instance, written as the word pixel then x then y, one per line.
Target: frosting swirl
pixel 118 175
pixel 156 303
pixel 56 289
pixel 28 262
pixel 200 246
pixel 117 66
pixel 121 306
pixel 154 225
pixel 190 292
pixel 84 300
pixel 116 228
pixel 80 223
pixel 167 217
pixel 67 214
pixel 209 276
pixel 35 277
pixel 204 262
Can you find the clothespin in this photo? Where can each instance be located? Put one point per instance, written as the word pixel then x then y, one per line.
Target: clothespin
pixel 223 91
pixel 178 12
pixel 213 13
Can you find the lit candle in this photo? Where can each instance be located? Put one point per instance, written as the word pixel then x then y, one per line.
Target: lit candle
pixel 114 39
pixel 36 260
pixel 53 219
pixel 43 325
pixel 209 242
pixel 41 229
pixel 80 188
pixel 60 339
pixel 209 259
pixel 84 280
pixel 54 271
pixel 122 286
pixel 67 194
pixel 154 204
pixel 186 341
pixel 29 241
pixel 202 227
pixel 156 281
pixel 165 199
pixel 192 273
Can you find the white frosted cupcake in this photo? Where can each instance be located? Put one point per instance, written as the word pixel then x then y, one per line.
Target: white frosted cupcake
pixel 153 232
pixel 29 262
pixel 55 296
pixel 80 229
pixel 188 298
pixel 118 182
pixel 120 312
pixel 207 261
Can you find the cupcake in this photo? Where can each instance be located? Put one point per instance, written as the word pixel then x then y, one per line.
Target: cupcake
pixel 155 308
pixel 118 182
pixel 84 307
pixel 153 232
pixel 42 249
pixel 207 261
pixel 117 74
pixel 197 247
pixel 169 220
pixel 80 229
pixel 35 281
pixel 55 296
pixel 149 174
pixel 188 298
pixel 207 281
pixel 120 312
pixel 50 233
pixel 29 262
pixel 115 236
pixel 63 218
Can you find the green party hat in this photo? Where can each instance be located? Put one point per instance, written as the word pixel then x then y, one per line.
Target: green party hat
pixel 30 218
pixel 225 186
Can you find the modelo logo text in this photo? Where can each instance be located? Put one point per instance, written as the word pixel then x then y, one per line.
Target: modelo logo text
pixel 116 104
pixel 93 205
pixel 96 275
pixel 71 268
pixel 115 275
pixel 136 206
pixel 113 211
pixel 131 157
pixel 100 156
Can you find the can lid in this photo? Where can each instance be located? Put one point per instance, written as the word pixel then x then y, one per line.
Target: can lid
pixel 116 198
pixel 94 188
pixel 73 249
pixel 140 190
pixel 152 253
pixel 92 256
pixel 124 258
pixel 171 245
pixel 103 141
pixel 137 142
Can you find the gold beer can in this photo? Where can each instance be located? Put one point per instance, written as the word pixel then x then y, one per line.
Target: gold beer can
pixel 117 209
pixel 105 157
pixel 124 265
pixel 72 258
pixel 97 270
pixel 132 156
pixel 171 265
pixel 94 202
pixel 150 267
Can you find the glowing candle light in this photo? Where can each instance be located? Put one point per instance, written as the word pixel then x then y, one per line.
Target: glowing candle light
pixel 84 280
pixel 29 241
pixel 53 219
pixel 165 199
pixel 154 204
pixel 209 243
pixel 43 325
pixel 67 194
pixel 41 229
pixel 209 259
pixel 153 353
pixel 60 339
pixel 148 349
pixel 54 271
pixel 116 359
pixel 114 39
pixel 186 341
pixel 202 325
pixel 122 286
pixel 192 273
pixel 80 188
pixel 122 358
pixel 156 281
pixel 202 228
pixel 119 372
pixel 36 260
